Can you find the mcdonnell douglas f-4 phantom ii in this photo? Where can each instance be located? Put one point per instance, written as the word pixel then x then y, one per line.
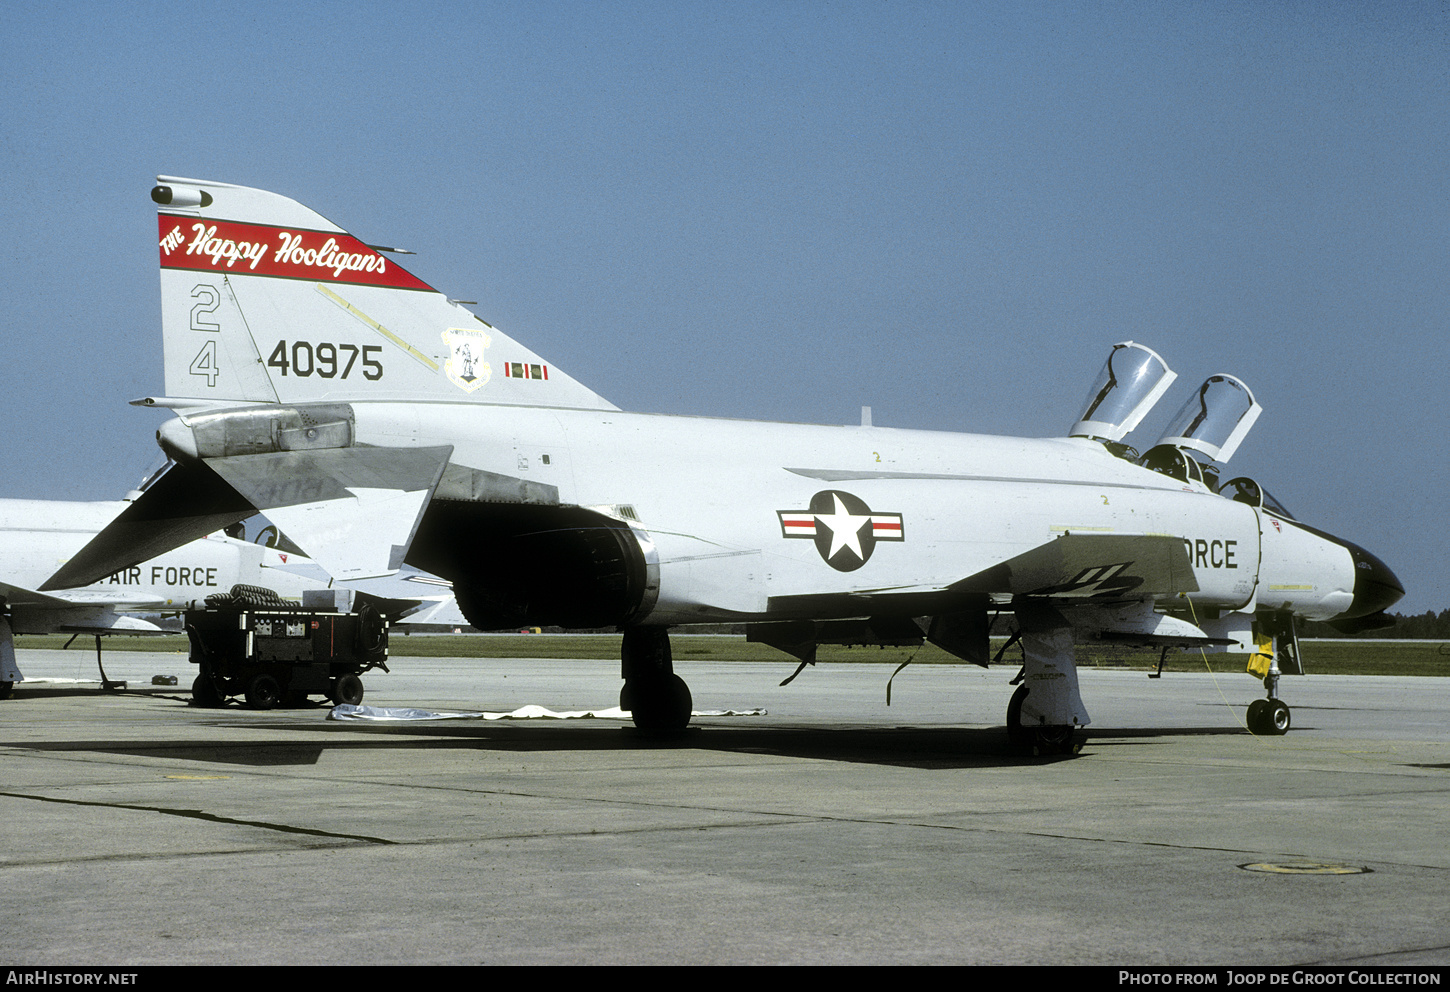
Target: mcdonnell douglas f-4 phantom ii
pixel 38 536
pixel 377 422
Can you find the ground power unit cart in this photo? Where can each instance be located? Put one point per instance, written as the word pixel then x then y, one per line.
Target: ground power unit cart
pixel 252 643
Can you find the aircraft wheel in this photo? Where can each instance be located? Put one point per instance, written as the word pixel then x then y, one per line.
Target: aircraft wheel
pixel 1276 719
pixel 263 693
pixel 1255 720
pixel 203 692
pixel 5 688
pixel 347 689
pixel 662 704
pixel 1056 740
pixel 1015 733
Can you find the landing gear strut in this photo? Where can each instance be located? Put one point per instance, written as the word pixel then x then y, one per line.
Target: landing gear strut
pixel 1269 717
pixel 655 696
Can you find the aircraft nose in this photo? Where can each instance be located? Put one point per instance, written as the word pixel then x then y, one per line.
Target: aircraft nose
pixel 1376 588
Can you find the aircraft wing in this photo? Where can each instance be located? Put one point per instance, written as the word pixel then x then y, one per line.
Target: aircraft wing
pixel 118 600
pixel 1097 567
pixel 104 621
pixel 1072 570
pixel 187 502
pixel 21 596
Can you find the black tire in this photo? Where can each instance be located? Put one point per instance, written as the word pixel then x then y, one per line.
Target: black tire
pixel 1055 740
pixel 347 689
pixel 5 689
pixel 662 704
pixel 370 630
pixel 263 692
pixel 1257 718
pixel 203 692
pixel 1015 733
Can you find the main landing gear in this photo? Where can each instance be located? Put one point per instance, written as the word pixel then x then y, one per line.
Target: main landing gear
pixel 654 695
pixel 1042 740
pixel 1046 711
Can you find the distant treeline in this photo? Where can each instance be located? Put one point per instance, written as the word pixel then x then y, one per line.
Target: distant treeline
pixel 1423 626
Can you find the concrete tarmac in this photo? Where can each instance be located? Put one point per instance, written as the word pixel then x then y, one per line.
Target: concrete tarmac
pixel 834 830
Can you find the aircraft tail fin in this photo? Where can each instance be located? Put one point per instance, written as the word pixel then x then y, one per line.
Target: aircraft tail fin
pixel 266 301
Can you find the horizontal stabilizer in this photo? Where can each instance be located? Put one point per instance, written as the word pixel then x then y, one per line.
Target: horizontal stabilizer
pixel 187 502
pixel 354 511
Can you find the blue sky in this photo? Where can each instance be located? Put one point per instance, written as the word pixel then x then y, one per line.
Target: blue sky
pixel 946 211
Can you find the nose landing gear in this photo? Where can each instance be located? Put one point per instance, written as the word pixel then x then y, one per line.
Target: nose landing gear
pixel 1277 639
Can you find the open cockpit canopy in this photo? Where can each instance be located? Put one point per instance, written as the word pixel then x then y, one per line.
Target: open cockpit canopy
pixel 1215 420
pixel 1132 380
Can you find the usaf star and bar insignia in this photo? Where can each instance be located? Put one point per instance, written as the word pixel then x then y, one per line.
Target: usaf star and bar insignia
pixel 844 528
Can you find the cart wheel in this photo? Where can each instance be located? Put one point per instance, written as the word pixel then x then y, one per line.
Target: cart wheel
pixel 347 689
pixel 203 692
pixel 263 692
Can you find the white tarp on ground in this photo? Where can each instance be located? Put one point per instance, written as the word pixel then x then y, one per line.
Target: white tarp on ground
pixel 343 711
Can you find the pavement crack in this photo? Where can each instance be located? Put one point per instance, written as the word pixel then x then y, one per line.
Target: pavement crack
pixel 197 814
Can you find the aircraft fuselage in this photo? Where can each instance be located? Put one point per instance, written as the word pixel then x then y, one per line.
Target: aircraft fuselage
pixel 746 520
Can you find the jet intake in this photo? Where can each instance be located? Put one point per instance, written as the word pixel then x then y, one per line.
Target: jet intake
pixel 549 565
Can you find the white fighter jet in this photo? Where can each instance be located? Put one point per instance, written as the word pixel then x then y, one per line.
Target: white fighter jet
pixel 378 422
pixel 38 536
